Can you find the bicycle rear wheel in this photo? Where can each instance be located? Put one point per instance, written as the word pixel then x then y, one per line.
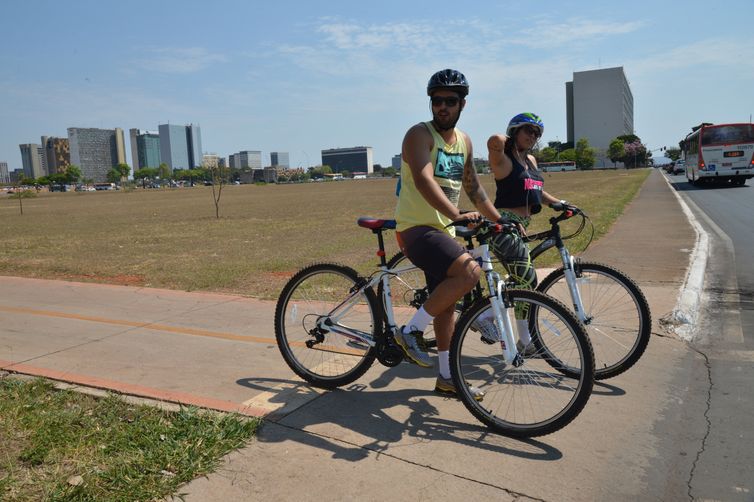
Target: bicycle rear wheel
pixel 319 356
pixel 618 319
pixel 526 398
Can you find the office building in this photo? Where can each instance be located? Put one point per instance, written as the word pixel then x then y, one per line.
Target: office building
pixel 395 163
pixel 599 107
pixel 34 160
pixel 57 153
pixel 180 146
pixel 246 159
pixel 212 160
pixel 358 158
pixel 279 159
pixel 145 149
pixel 96 151
pixel 4 173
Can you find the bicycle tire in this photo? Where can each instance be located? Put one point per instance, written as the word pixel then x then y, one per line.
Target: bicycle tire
pixel 513 392
pixel 311 293
pixel 619 322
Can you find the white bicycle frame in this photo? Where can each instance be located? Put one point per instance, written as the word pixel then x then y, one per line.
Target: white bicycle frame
pixel 481 253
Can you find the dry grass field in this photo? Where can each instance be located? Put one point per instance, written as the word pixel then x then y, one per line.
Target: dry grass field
pixel 170 238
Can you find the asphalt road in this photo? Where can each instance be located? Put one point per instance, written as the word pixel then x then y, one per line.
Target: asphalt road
pixel 726 334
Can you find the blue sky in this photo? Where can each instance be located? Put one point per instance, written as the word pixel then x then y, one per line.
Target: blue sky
pixel 309 75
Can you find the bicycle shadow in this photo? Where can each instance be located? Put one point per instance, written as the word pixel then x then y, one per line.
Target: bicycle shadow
pixel 364 418
pixel 604 389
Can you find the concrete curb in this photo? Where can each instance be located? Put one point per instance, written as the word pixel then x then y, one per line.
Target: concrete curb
pixel 682 321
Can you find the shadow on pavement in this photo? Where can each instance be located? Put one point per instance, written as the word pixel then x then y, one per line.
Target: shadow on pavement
pixel 353 421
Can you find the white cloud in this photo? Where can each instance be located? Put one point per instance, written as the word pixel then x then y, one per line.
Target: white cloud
pixel 547 34
pixel 179 60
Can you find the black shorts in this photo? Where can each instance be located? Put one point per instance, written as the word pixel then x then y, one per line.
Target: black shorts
pixel 432 250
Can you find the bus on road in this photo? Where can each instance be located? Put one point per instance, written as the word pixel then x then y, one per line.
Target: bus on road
pixel 721 152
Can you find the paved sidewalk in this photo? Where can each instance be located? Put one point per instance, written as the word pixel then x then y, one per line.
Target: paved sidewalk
pixel 387 435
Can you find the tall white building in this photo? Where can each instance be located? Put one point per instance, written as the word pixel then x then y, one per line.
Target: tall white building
pixel 599 107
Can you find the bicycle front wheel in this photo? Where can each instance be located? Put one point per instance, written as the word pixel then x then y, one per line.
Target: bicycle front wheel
pixel 528 397
pixel 317 295
pixel 618 319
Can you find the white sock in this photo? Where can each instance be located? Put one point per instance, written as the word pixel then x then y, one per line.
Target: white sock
pixel 419 322
pixel 522 326
pixel 443 357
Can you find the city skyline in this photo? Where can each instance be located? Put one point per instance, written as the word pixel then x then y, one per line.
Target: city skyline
pixel 339 74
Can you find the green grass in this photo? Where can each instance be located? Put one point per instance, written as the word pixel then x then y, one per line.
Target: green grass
pixel 121 451
pixel 171 238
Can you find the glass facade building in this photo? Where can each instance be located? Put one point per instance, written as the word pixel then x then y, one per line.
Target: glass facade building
pixel 279 159
pixel 356 159
pixel 180 146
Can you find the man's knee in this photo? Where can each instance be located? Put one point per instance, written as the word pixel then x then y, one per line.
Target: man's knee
pixel 468 272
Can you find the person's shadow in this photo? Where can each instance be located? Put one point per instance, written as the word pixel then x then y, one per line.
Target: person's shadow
pixel 366 419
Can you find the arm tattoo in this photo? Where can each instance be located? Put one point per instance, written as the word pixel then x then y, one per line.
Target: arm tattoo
pixel 471 185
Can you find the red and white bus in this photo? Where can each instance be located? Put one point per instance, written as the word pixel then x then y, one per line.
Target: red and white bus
pixel 722 152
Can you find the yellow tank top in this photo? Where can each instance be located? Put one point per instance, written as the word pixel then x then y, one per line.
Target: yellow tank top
pixel 448 162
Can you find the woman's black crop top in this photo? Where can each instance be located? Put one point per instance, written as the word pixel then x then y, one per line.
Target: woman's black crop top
pixel 522 187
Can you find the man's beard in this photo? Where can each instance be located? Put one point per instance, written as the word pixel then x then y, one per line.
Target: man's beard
pixel 445 124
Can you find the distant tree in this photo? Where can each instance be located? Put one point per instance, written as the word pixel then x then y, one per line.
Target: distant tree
pixel 124 170
pixel 584 154
pixel 164 171
pixel 113 175
pixel 568 155
pixel 144 174
pixel 546 154
pixel 616 151
pixel 72 174
pixel 389 172
pixel 636 154
pixel 673 153
pixel 219 176
pixel 628 138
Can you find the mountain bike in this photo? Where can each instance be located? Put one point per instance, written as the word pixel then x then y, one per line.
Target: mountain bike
pixel 611 305
pixel 330 326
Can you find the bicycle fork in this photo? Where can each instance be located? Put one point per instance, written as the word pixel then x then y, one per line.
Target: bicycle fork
pixel 499 304
pixel 569 271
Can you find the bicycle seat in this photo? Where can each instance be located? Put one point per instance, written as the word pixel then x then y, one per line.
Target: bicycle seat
pixel 376 223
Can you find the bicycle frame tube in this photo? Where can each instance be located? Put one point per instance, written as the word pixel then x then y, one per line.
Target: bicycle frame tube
pixel 495 287
pixel 331 321
pixel 554 240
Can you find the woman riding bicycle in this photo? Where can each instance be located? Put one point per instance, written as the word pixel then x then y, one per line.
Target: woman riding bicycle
pixel 520 194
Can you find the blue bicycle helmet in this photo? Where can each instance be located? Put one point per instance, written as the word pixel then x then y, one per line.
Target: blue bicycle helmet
pixel 523 119
pixel 449 79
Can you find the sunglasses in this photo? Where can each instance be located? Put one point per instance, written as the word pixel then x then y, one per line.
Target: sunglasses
pixel 532 130
pixel 450 101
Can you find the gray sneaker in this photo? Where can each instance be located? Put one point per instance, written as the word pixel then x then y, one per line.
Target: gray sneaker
pixel 526 350
pixel 414 348
pixel 446 387
pixel 488 330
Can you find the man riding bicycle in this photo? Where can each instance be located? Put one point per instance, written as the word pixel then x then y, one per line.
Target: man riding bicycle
pixel 436 162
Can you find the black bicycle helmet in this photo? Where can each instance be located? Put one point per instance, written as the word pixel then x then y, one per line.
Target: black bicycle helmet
pixel 448 79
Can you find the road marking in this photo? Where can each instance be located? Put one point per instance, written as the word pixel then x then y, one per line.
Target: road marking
pixel 136 324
